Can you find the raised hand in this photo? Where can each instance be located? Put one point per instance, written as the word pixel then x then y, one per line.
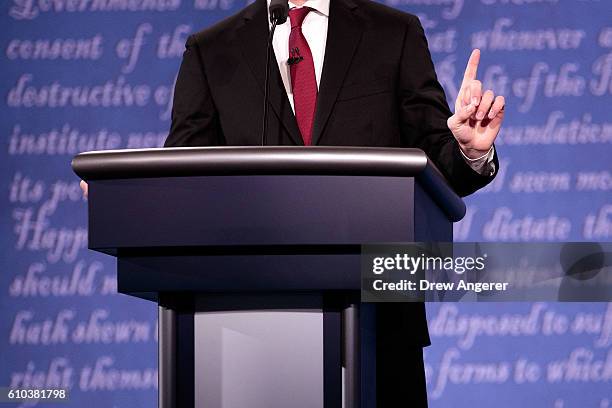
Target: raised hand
pixel 478 116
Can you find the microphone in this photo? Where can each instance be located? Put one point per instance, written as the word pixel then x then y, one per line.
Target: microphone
pixel 278 9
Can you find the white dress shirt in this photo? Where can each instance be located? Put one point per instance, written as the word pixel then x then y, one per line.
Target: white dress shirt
pixel 314 28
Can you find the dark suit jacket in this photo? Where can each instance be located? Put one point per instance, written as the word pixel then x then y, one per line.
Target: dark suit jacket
pixel 378 88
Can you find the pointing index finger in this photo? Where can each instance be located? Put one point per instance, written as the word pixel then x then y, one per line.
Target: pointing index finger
pixel 472 67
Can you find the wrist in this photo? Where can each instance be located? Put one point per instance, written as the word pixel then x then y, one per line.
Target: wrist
pixel 474 154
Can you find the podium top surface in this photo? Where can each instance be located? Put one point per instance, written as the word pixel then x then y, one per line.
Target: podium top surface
pixel 271 160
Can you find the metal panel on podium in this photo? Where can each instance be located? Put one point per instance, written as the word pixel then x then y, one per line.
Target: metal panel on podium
pixel 253 256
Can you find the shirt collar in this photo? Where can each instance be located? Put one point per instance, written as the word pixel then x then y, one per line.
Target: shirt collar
pixel 321 6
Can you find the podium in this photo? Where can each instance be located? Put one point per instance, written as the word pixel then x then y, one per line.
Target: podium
pixel 253 257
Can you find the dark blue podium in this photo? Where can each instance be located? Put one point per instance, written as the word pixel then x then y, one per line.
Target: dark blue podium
pixel 253 256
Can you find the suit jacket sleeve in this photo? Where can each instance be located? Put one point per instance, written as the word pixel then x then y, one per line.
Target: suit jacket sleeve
pixel 424 112
pixel 195 120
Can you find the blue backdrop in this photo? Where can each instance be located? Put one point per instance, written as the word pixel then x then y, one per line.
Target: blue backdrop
pixel 98 74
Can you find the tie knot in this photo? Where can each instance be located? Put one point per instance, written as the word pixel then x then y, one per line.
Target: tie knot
pixel 297 15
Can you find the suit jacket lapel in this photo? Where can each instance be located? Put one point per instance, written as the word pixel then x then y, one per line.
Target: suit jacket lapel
pixel 343 35
pixel 253 37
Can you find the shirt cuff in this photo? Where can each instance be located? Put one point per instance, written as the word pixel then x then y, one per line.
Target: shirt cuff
pixel 482 165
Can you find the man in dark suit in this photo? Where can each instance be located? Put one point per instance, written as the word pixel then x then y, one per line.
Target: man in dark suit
pixel 368 72
pixel 347 73
pixel 377 87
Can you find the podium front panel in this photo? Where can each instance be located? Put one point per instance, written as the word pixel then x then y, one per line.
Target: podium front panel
pixel 249 211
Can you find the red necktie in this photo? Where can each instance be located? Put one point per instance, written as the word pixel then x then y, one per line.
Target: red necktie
pixel 303 80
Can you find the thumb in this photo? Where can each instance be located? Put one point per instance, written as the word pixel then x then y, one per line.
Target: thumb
pixel 461 116
pixel 84 187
